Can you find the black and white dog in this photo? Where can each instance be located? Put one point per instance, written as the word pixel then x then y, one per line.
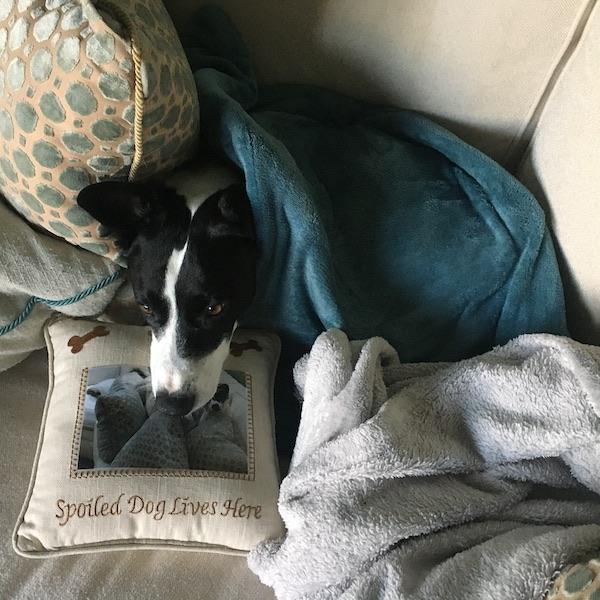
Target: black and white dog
pixel 192 255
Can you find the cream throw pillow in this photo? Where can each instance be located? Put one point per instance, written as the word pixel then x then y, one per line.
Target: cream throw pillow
pixel 217 482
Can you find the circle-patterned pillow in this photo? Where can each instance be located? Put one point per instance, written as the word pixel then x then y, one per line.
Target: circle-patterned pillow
pixel 88 91
pixel 577 582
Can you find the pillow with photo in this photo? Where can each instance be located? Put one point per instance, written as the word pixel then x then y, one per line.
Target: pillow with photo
pixel 112 471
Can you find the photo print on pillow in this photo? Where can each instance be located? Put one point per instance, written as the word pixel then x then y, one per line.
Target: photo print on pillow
pixel 121 428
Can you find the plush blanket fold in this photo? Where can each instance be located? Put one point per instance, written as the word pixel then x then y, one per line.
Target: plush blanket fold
pixel 473 480
pixel 372 219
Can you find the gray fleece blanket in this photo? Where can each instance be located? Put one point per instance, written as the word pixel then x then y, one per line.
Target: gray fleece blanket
pixel 477 479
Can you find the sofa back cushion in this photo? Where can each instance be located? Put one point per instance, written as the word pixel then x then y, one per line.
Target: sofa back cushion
pixel 480 68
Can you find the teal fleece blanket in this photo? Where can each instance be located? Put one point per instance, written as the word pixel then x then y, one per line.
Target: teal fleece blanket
pixel 372 219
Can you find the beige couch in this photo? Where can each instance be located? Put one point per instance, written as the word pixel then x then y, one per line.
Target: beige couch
pixel 516 78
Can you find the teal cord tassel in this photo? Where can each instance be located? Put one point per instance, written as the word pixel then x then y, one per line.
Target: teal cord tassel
pixel 4 329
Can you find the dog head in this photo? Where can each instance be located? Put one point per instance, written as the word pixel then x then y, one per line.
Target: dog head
pixel 191 255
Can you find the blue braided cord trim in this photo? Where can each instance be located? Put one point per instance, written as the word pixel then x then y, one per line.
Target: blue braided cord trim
pixel 4 329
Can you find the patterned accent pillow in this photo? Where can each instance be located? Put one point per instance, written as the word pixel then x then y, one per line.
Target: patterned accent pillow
pixel 577 582
pixel 88 91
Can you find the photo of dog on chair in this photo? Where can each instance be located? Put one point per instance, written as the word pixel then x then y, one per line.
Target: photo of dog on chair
pixel 122 428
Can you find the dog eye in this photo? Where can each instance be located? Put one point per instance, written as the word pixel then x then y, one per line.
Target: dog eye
pixel 146 309
pixel 215 309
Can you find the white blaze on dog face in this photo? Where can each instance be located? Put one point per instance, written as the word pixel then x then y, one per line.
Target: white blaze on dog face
pixel 170 371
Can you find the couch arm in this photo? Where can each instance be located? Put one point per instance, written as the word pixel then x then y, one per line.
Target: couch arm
pixel 562 167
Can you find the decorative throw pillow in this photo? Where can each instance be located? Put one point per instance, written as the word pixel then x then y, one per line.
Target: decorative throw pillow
pixel 88 91
pixel 114 471
pixel 577 582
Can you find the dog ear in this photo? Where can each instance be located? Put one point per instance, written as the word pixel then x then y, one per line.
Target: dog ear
pixel 121 207
pixel 234 213
pixel 116 204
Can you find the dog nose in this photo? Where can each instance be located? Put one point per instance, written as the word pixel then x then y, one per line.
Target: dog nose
pixel 177 404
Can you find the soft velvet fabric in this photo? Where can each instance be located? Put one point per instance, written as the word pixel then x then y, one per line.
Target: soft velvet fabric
pixel 374 220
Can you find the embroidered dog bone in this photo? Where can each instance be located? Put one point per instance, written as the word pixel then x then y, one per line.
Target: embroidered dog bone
pixel 237 349
pixel 77 342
